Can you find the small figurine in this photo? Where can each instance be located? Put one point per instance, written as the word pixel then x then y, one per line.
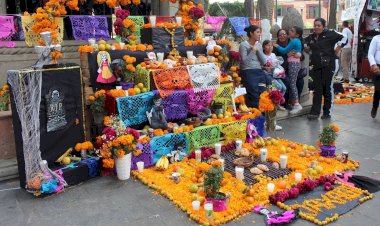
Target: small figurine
pixel 175 156
pixel 105 73
pixel 156 116
pixel 251 133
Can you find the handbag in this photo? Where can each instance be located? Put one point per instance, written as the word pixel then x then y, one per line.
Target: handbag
pixel 302 73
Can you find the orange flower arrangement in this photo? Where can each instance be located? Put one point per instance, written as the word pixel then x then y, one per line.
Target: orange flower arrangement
pixel 44 18
pixel 108 163
pixel 266 104
pixel 86 49
pixel 83 146
pixel 116 93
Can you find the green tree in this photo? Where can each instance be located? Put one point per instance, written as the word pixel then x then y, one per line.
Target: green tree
pixel 227 9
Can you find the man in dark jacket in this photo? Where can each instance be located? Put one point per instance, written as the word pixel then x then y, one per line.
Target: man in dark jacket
pixel 322 62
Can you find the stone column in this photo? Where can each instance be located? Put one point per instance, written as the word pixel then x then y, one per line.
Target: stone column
pixel 3 7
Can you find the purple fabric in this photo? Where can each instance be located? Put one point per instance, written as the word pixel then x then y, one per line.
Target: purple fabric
pixel 328 151
pixel 85 27
pixel 197 101
pixel 175 105
pixel 7 29
pixel 146 156
pixel 215 21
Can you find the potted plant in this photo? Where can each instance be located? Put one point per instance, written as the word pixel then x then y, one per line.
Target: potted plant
pixel 121 149
pixel 97 106
pixel 327 140
pixel 212 183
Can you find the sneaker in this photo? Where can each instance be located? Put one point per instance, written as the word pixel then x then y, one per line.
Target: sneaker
pixel 373 112
pixel 296 109
pixel 281 108
pixel 312 117
pixel 325 116
pixel 278 128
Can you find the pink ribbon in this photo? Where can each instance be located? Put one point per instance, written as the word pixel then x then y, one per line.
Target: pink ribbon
pixel 345 178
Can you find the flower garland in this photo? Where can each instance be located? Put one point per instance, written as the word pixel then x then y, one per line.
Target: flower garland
pixel 299 162
pixel 182 197
pixel 339 195
pixel 86 49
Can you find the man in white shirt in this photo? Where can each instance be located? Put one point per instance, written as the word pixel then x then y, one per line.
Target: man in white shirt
pixel 346 53
pixel 374 62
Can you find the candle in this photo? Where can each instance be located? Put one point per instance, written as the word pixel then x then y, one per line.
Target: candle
pixel 218 148
pixel 209 210
pixel 152 20
pixel 190 54
pixel 160 57
pixel 263 154
pixel 198 155
pixel 196 204
pixel 283 161
pixel 222 161
pixel 270 187
pixel 298 177
pixel 239 172
pixel 122 44
pixel 239 144
pixel 140 166
pixel 178 19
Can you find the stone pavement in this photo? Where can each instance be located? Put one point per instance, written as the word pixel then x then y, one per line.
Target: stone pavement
pixel 107 201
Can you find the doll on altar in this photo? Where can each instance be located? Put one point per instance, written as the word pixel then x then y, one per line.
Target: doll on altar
pixel 251 133
pixel 105 73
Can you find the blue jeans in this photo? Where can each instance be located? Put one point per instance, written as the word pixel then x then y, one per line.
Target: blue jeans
pixel 280 86
pixel 254 80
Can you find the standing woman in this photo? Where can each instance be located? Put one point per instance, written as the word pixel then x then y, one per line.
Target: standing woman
pixel 294 64
pixel 374 61
pixel 283 40
pixel 322 61
pixel 252 60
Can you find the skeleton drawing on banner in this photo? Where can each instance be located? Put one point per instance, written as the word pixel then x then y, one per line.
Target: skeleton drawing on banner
pixel 56 113
pixel 105 73
pixel 156 116
pixel 175 156
pixel 251 132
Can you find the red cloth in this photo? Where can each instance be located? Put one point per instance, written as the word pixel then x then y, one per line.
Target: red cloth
pixel 110 104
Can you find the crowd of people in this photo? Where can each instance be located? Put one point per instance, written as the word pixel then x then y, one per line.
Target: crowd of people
pixel 326 48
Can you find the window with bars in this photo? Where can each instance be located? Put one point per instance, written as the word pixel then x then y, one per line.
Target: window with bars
pixel 281 10
pixel 312 11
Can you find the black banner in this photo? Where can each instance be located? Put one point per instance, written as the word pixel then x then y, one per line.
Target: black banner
pixel 64 82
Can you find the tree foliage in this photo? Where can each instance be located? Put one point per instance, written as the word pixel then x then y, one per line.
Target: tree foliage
pixel 227 9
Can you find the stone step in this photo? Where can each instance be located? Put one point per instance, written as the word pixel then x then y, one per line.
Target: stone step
pixel 8 169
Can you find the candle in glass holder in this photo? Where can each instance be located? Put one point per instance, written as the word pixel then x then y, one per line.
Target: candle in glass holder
pixel 209 208
pixel 196 204
pixel 152 20
pixel 263 154
pixel 239 172
pixel 239 145
pixel 298 177
pixel 222 161
pixel 140 166
pixel 283 161
pixel 178 19
pixel 218 148
pixel 270 187
pixel 198 155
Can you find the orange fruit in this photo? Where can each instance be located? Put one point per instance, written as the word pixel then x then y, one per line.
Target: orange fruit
pixel 282 184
